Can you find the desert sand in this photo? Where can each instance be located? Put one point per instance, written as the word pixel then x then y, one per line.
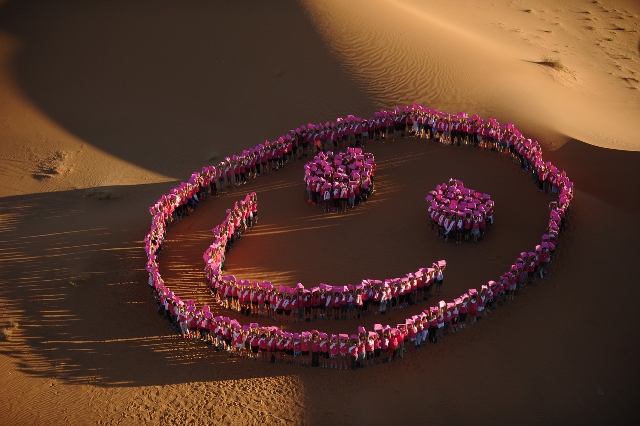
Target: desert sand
pixel 105 106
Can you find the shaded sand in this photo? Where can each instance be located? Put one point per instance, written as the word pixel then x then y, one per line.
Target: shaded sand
pixel 104 104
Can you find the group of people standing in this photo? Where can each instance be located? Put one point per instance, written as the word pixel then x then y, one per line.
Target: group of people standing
pixel 364 348
pixel 340 181
pixel 299 304
pixel 459 213
pixel 239 220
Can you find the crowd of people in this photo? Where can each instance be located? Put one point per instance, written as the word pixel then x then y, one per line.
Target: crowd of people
pixel 364 348
pixel 459 213
pixel 239 220
pixel 299 304
pixel 340 181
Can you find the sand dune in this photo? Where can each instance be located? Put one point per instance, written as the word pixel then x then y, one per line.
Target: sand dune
pixel 488 62
pixel 104 105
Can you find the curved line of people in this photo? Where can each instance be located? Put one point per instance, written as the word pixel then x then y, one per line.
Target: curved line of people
pixel 384 342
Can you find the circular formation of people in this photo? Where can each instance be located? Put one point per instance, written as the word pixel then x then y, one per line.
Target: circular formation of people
pixel 385 342
pixel 341 181
pixel 459 213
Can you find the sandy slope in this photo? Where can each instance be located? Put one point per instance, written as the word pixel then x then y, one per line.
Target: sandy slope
pixel 103 104
pixel 482 57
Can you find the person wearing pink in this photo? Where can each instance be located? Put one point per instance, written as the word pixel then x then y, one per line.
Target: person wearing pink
pixel 260 300
pixel 243 170
pixel 297 347
pixel 336 197
pixel 243 300
pixel 336 305
pixel 353 351
pixel 254 341
pixel 280 348
pixel 236 171
pixel 307 300
pixel 220 174
pixel 459 219
pixel 441 222
pixel 183 320
pixel 464 310
pixel 304 347
pixel 324 349
pixel 475 227
pixel 322 302
pixel 315 350
pixel 343 350
pixel 288 347
pixel 264 169
pixel 227 172
pixel 428 283
pixel 350 300
pixel 342 136
pixel 473 308
pixel 193 325
pixel 449 226
pixel 495 290
pixel 440 321
pixel 212 333
pixel 482 300
pixel 315 304
pixel 393 344
pixel 403 338
pixel 235 305
pixel 272 298
pixel 512 283
pixel 377 347
pixel 365 132
pixel 333 351
pixel 482 222
pixel 384 345
pixel 438 278
pixel 376 299
pixel 361 352
pixel 326 197
pixel 343 198
pixel 532 266
pixel 384 122
pixel 362 302
pixel 344 304
pixel 262 343
pixel 219 332
pixel 433 326
pixel 279 308
pixel 238 342
pixel 455 314
pixel 468 221
pixel 544 259
pixel 253 300
pixel 412 329
pixel 424 326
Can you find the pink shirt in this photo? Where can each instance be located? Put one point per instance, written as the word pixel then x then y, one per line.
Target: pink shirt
pixel 333 349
